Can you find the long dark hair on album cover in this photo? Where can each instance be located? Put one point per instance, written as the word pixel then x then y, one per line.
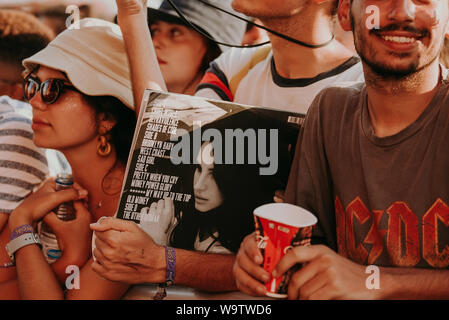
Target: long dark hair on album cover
pixel 242 188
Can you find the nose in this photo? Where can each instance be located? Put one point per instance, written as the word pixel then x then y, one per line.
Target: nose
pixel 402 10
pixel 37 103
pixel 199 183
pixel 159 40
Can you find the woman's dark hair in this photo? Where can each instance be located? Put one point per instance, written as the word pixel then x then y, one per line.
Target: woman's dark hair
pixel 122 133
pixel 243 190
pixel 233 220
pixel 212 53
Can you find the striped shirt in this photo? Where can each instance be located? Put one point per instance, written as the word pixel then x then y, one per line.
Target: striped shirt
pixel 23 166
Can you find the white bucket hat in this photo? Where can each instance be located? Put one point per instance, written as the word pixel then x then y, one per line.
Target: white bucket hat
pixel 92 54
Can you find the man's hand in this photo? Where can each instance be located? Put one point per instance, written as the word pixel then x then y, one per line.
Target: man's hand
pixel 325 275
pixel 125 253
pixel 250 276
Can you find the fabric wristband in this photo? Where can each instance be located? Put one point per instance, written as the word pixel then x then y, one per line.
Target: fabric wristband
pixel 170 258
pixel 26 228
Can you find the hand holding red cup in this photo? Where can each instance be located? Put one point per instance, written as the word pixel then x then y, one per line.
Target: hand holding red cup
pixel 279 227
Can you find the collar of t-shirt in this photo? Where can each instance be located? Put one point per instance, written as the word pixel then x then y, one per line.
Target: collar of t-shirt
pixel 427 115
pixel 304 82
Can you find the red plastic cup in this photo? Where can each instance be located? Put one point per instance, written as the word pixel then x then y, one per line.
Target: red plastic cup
pixel 279 227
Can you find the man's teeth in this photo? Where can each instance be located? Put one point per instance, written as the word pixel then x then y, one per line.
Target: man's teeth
pixel 399 39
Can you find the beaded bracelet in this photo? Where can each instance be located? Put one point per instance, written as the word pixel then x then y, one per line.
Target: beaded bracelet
pixel 26 228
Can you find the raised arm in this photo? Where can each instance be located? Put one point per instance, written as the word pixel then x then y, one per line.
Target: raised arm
pixel 145 71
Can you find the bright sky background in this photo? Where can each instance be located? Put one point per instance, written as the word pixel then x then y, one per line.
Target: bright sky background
pixel 106 9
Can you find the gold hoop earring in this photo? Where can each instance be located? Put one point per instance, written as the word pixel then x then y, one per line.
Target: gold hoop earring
pixel 104 147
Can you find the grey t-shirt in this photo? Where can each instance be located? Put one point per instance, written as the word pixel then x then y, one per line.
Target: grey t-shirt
pixel 381 201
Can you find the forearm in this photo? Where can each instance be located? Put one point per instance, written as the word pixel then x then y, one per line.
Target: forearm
pixel 3 220
pixel 9 290
pixel 60 266
pixel 145 71
pixel 403 283
pixel 35 277
pixel 205 271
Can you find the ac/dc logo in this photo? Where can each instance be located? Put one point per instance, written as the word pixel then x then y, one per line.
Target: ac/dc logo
pixel 407 239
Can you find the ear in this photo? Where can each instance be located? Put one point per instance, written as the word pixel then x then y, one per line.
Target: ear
pixel 344 14
pixel 105 123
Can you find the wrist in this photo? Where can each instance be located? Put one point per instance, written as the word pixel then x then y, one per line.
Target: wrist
pixel 18 219
pixel 160 273
pixel 388 285
pixel 130 16
pixel 170 262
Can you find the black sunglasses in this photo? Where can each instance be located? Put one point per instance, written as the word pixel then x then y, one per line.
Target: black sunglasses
pixel 50 89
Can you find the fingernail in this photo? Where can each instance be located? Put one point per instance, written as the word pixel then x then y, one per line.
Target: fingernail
pixel 274 274
pixel 101 218
pixel 265 278
pixel 258 259
pixel 82 193
pixel 261 291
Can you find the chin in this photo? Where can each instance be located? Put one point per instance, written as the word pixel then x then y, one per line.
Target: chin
pixel 40 143
pixel 44 143
pixel 395 69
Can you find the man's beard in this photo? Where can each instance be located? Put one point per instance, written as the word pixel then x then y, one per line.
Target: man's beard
pixel 382 69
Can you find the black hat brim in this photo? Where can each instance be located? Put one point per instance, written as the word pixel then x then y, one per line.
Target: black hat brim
pixel 158 15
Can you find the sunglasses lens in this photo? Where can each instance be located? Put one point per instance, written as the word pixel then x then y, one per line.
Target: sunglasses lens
pixel 30 89
pixel 50 91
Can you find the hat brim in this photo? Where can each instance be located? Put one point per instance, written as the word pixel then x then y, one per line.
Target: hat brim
pixel 158 15
pixel 56 58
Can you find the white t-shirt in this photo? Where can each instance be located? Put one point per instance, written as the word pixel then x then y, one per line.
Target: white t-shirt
pixel 248 76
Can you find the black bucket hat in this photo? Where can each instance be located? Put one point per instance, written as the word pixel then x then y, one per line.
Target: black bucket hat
pixel 218 25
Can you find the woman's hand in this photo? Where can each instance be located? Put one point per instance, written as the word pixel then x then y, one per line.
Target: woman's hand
pixel 74 236
pixel 40 203
pixel 158 219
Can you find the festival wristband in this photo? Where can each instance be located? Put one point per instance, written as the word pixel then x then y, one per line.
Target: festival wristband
pixel 26 228
pixel 170 258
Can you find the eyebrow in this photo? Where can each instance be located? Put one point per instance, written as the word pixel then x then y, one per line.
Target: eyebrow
pixel 35 76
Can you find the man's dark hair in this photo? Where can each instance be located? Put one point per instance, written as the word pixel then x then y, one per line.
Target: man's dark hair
pixel 21 36
pixel 335 8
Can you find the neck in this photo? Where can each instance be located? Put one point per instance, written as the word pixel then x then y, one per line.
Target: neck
pixel 295 61
pixel 92 177
pixel 189 88
pixel 394 104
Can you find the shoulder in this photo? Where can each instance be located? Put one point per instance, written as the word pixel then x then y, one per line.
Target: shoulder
pixel 237 58
pixel 226 72
pixel 336 100
pixel 351 70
